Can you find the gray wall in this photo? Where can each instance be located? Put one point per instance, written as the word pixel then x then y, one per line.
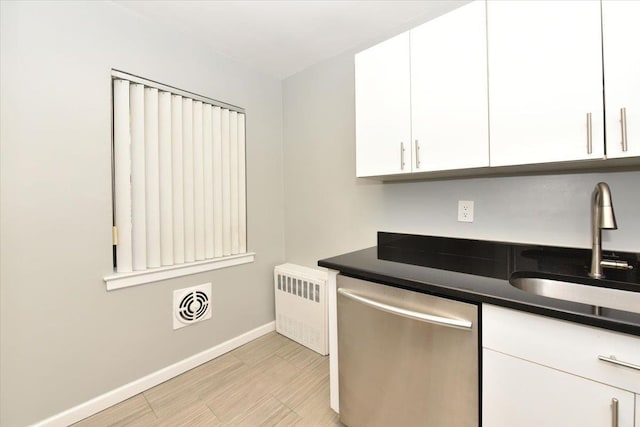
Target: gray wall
pixel 64 338
pixel 329 211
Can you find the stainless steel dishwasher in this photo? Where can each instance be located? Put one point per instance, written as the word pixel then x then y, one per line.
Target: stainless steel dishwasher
pixel 405 358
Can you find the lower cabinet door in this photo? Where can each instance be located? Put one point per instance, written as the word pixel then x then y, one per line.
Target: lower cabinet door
pixel 524 394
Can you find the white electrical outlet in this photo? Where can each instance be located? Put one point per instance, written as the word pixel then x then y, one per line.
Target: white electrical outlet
pixel 465 210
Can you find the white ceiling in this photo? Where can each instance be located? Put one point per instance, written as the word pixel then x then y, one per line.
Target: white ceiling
pixel 281 38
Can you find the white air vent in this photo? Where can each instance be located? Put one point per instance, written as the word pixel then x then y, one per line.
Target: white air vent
pixel 301 305
pixel 191 305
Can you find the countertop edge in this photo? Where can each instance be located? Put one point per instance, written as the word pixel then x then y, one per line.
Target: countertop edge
pixel 479 298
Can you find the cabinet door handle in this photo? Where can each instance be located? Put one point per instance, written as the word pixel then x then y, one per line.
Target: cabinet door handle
pixel 589 135
pixel 417 155
pixel 409 314
pixel 613 360
pixel 623 125
pixel 402 156
pixel 614 412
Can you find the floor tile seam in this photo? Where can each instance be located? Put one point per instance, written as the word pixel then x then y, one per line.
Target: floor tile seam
pixel 230 353
pixel 265 372
pixel 312 365
pixel 225 375
pixel 256 345
pixel 167 396
pixel 286 405
pixel 208 408
pixel 219 416
pixel 293 365
pixel 283 360
pixel 203 394
pixel 259 349
pixel 198 399
pixel 207 374
pixel 311 382
pixel 277 375
pixel 271 413
pixel 185 382
pixel 181 387
pixel 257 403
pixel 153 411
pixel 255 362
pixel 215 415
pixel 201 401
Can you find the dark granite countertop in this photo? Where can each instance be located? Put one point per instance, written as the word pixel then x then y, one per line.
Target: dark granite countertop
pixel 478 272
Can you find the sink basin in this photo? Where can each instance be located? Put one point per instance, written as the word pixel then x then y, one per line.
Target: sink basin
pixel 599 295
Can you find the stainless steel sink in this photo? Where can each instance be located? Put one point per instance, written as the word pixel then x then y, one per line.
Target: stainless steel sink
pixel 598 296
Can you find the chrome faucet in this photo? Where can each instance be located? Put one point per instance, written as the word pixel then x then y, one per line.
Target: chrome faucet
pixel 602 216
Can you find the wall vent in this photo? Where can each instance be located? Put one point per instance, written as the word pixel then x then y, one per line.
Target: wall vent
pixel 191 305
pixel 301 305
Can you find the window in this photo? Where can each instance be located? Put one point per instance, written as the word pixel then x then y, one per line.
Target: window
pixel 179 198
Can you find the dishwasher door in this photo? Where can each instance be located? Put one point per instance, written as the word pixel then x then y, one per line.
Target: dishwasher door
pixel 406 358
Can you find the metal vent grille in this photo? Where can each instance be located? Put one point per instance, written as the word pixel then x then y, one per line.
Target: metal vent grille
pixel 191 305
pixel 300 287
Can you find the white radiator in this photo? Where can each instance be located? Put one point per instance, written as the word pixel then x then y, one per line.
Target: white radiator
pixel 301 305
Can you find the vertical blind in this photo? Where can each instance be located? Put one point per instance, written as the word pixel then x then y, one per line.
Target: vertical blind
pixel 179 178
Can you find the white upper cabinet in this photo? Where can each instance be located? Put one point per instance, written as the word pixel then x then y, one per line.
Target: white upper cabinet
pixel 621 49
pixel 545 81
pixel 383 117
pixel 449 108
pixel 502 83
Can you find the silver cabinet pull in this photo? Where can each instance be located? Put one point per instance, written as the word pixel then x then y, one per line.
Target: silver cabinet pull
pixel 402 156
pixel 589 135
pixel 614 412
pixel 409 314
pixel 417 155
pixel 623 125
pixel 613 360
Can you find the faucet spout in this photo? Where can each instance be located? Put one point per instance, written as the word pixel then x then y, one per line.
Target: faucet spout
pixel 602 216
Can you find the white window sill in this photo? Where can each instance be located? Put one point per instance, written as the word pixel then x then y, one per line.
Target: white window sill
pixel 125 280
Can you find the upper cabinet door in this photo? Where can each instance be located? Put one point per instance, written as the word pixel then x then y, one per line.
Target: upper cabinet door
pixel 545 81
pixel 383 117
pixel 449 91
pixel 621 35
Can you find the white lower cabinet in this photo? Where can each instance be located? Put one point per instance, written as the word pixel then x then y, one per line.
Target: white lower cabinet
pixel 520 393
pixel 542 372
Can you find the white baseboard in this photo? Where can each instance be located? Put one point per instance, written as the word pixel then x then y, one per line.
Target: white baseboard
pixel 112 397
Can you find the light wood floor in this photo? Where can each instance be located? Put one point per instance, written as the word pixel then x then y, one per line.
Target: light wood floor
pixel 267 382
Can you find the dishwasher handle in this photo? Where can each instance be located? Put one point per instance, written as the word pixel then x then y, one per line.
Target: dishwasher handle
pixel 409 314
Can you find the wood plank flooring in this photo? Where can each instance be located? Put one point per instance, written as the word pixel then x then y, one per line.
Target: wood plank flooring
pixel 271 381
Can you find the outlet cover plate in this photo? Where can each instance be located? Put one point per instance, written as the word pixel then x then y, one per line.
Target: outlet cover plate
pixel 465 210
